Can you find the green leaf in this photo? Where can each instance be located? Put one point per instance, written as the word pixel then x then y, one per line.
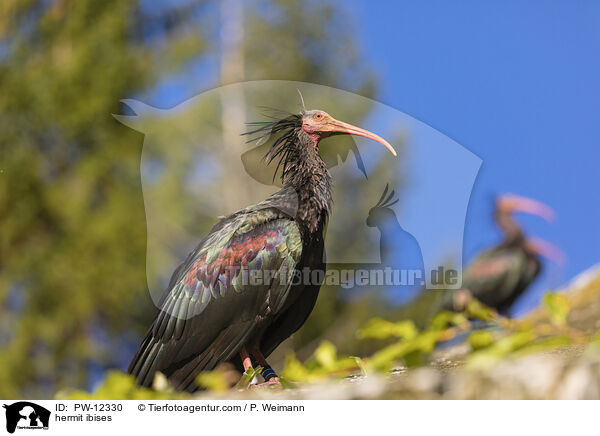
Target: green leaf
pixel 476 309
pixel 480 339
pixel 213 381
pixel 545 344
pixel 323 363
pixel 248 376
pixel 486 357
pixel 381 329
pixel 558 306
pixel 120 386
pixel 412 351
pixel 294 370
pixel 446 318
pixel 326 355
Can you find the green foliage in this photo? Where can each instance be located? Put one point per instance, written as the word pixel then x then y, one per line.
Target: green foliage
pixel 381 329
pixel 527 336
pixel 73 287
pixel 489 354
pixel 324 363
pixel 413 352
pixel 213 381
pixel 480 339
pixel 477 310
pixel 446 318
pixel 305 41
pixel 248 376
pixel 414 346
pixel 558 307
pixel 72 219
pixel 72 248
pixel 410 346
pixel 119 386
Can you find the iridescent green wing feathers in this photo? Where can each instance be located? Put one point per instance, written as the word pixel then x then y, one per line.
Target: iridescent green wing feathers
pixel 495 274
pixel 240 272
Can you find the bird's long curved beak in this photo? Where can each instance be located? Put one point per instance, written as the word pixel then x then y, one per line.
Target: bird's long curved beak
pixel 516 203
pixel 546 249
pixel 340 127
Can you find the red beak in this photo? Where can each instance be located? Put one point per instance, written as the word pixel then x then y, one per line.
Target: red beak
pixel 339 127
pixel 546 249
pixel 515 203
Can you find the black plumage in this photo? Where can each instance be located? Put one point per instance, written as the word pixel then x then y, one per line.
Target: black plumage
pixel 500 275
pixel 211 312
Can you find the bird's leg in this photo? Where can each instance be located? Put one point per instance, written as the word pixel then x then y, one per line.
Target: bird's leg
pixel 268 374
pixel 246 361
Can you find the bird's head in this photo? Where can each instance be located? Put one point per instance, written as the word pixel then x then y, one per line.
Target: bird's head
pixel 318 124
pixel 297 136
pixel 508 204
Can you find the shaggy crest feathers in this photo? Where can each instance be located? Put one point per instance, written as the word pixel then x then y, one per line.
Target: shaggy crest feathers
pixel 296 156
pixel 284 146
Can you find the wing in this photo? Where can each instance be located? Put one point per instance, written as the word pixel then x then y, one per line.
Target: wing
pixel 493 275
pixel 239 275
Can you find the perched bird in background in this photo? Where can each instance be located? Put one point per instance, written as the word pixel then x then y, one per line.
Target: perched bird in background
pixel 500 275
pixel 211 313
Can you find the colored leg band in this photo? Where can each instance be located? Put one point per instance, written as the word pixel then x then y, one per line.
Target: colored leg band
pixel 268 373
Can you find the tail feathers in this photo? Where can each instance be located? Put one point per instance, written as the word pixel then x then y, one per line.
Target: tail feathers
pixel 154 355
pixel 144 363
pixel 223 348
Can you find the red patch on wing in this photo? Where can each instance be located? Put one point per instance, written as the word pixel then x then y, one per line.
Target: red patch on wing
pixel 489 267
pixel 231 259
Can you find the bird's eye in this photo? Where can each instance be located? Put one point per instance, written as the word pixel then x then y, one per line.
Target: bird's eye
pixel 318 116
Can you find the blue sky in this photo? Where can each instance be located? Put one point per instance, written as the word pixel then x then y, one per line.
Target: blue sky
pixel 517 83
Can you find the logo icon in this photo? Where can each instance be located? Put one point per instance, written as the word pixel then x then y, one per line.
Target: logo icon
pixel 26 415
